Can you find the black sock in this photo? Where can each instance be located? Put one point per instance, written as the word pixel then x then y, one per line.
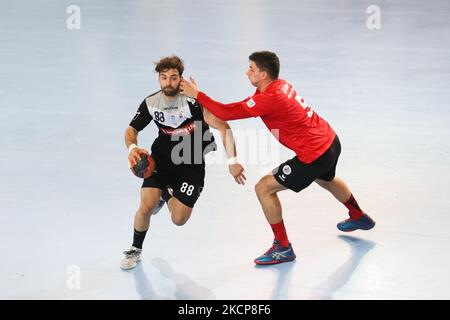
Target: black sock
pixel 138 238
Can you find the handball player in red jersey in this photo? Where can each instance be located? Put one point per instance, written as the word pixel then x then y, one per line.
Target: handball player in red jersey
pixel 299 128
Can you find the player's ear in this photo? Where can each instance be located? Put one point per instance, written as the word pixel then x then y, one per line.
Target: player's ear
pixel 264 75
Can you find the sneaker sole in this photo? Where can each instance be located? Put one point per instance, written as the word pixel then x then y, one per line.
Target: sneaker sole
pixel 274 262
pixel 350 230
pixel 129 268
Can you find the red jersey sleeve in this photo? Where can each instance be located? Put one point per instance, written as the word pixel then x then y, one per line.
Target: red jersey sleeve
pixel 261 104
pixel 230 111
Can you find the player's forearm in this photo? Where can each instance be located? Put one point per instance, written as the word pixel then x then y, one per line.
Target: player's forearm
pixel 230 111
pixel 131 135
pixel 228 141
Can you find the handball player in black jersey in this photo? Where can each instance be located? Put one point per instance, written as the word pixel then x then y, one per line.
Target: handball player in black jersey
pixel 178 152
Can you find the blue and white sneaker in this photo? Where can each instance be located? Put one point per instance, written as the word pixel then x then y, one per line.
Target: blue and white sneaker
pixel 363 223
pixel 276 254
pixel 159 206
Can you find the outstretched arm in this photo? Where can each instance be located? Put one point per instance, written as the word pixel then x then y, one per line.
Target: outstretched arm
pixel 230 111
pixel 235 168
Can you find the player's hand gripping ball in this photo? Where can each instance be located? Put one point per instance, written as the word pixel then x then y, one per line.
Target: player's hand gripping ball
pixel 144 167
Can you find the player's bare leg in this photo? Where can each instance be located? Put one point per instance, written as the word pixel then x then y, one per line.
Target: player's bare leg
pixel 150 198
pixel 266 191
pixel 281 251
pixel 179 211
pixel 337 187
pixel 358 219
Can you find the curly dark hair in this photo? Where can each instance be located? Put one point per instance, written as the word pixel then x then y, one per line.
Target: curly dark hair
pixel 172 62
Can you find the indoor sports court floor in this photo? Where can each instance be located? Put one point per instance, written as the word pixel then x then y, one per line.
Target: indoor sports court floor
pixel 67 197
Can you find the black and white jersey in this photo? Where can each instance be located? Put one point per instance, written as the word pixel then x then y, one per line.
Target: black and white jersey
pixel 179 121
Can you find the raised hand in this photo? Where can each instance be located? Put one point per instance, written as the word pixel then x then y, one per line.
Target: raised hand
pixel 189 88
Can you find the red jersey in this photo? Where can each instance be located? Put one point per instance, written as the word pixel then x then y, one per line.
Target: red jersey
pixel 286 114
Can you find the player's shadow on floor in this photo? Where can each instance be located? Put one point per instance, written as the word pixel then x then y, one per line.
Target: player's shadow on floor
pixel 185 288
pixel 359 248
pixel 283 272
pixel 143 285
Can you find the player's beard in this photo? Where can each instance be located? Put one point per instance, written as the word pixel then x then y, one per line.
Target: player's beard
pixel 170 91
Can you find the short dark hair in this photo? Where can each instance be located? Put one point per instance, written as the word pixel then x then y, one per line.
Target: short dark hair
pixel 266 61
pixel 172 62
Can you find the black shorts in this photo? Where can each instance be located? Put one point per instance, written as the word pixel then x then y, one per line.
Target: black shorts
pixel 186 180
pixel 297 175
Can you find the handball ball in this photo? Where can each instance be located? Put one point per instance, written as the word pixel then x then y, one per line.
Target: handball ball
pixel 144 167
